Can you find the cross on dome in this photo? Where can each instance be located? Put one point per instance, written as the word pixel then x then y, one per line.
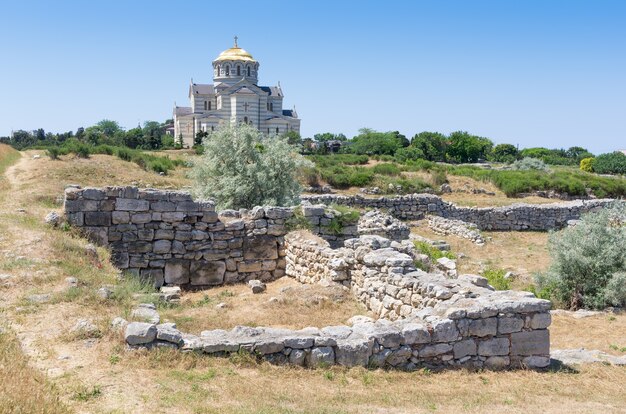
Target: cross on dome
pixel 236 41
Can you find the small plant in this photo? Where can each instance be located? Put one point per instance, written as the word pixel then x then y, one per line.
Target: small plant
pixel 618 348
pixel 114 359
pixel 386 169
pixel 86 394
pixel 496 278
pixel 432 252
pixel 342 217
pixel 438 177
pixel 528 163
pixel 297 221
pixel 53 153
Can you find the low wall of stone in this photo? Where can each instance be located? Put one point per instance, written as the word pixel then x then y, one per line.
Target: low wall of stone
pixel 166 237
pixel 463 229
pixel 469 323
pixel 514 217
pixel 426 320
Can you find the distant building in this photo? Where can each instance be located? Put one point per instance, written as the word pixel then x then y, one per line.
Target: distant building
pixel 233 98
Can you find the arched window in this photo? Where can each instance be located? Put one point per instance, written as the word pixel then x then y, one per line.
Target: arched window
pixel 218 71
pixel 227 70
pixel 205 105
pixel 209 105
pixel 248 70
pixel 245 119
pixel 238 70
pixel 277 130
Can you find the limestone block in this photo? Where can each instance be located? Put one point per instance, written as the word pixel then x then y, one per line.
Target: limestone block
pixel 497 362
pixel 297 357
pixel 207 273
pixel 127 204
pixel 445 330
pixel 464 348
pixel 299 342
pixel 415 333
pixel 138 333
pixel 153 275
pixel 530 343
pixel 540 320
pixel 252 266
pixel 162 246
pixel 494 346
pixel 260 248
pixel 120 217
pixel 353 352
pixel 431 351
pixel 483 327
pixel 323 355
pixel 508 325
pixel 165 332
pixel 97 218
pixel 177 272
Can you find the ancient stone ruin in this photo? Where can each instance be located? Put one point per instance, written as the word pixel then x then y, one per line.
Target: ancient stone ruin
pixel 424 319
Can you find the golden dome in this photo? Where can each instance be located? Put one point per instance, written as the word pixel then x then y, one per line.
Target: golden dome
pixel 235 53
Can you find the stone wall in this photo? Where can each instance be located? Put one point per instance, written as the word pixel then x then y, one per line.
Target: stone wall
pixel 426 320
pixel 166 237
pixel 514 217
pixel 444 226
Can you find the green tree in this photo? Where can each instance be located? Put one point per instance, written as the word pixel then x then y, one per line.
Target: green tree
pixel 293 137
pixel 152 132
pixel 108 127
pixel 504 153
pixel 328 136
pixel 243 168
pixel 133 138
pixel 432 144
pixel 465 147
pixel 370 142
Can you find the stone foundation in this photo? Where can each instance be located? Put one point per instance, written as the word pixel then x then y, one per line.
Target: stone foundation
pixel 514 217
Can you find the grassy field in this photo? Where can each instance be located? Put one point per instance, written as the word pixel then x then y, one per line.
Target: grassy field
pixel 47 369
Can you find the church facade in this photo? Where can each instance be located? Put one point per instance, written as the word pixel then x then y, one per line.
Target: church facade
pixel 233 98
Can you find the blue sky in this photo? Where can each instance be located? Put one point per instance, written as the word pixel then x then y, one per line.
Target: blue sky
pixel 534 73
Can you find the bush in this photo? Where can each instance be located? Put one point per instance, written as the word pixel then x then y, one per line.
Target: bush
pixel 82 150
pixel 53 153
pixel 496 278
pixel 432 252
pixel 386 169
pixel 613 163
pixel 588 262
pixel 586 164
pixel 242 168
pixel 125 154
pixel 528 163
pixel 438 177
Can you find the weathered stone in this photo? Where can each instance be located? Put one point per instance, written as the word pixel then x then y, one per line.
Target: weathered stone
pixel 138 333
pixel 509 324
pixel 257 286
pixel 483 327
pixel 540 320
pixel 207 273
pixel 530 343
pixel 494 346
pixel 353 352
pixel 260 248
pixel 324 355
pixel 177 272
pixel 464 348
pixel 124 204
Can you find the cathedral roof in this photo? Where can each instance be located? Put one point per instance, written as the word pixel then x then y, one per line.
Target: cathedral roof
pixel 182 110
pixel 202 88
pixel 272 90
pixel 235 53
pixel 288 112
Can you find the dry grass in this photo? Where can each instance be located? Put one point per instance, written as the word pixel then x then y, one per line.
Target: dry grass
pixel 297 306
pixel 99 375
pixel 523 253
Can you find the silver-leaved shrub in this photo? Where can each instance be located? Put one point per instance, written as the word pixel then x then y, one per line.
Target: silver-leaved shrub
pixel 243 168
pixel 588 268
pixel 529 163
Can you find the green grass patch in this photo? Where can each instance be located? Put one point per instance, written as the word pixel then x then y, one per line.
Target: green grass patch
pixel 432 252
pixel 496 278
